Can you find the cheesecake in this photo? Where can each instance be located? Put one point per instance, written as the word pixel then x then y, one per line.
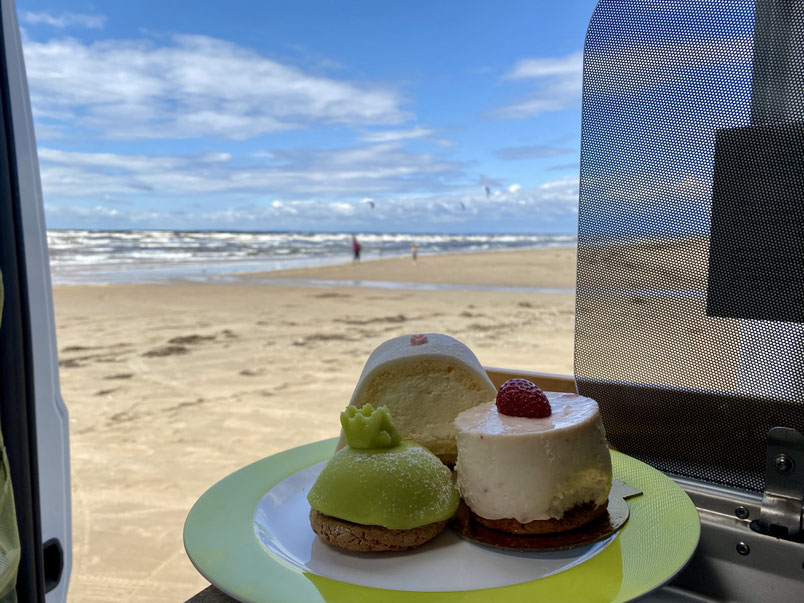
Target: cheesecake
pixel 534 474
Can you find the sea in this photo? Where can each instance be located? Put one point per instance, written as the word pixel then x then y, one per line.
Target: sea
pixel 154 256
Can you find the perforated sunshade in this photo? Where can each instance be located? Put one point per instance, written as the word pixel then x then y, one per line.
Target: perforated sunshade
pixel 691 231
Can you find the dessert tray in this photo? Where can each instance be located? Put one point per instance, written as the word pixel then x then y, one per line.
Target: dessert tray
pixel 249 536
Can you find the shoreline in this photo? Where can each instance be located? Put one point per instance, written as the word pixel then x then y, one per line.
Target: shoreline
pixel 78 275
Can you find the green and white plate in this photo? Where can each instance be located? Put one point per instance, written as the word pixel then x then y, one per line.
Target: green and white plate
pixel 249 536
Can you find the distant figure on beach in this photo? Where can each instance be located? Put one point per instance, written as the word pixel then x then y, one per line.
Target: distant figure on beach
pixel 356 247
pixel 414 251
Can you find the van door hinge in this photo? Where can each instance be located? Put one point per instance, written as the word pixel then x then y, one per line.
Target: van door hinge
pixel 783 499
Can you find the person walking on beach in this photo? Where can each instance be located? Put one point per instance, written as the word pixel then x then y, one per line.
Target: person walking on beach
pixel 356 247
pixel 414 251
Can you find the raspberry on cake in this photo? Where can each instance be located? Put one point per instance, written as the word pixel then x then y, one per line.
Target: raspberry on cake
pixel 380 493
pixel 425 380
pixel 547 470
pixel 521 398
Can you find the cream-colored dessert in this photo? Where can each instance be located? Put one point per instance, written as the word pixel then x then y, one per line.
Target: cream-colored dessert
pixel 425 381
pixel 532 469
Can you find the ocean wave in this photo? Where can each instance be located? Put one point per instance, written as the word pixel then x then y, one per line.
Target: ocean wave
pixel 135 256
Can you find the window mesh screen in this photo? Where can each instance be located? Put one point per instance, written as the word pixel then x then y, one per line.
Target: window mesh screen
pixel 685 384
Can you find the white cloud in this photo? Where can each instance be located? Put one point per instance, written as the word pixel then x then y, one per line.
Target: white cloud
pixel 379 186
pixel 338 173
pixel 548 202
pixel 194 86
pixel 92 213
pixel 642 66
pixel 396 135
pixel 64 20
pixel 559 185
pixel 656 187
pixel 571 65
pixel 537 209
pixel 531 152
pixel 49 131
pixel 558 83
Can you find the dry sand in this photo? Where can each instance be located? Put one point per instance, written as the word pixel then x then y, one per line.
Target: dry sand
pixel 172 387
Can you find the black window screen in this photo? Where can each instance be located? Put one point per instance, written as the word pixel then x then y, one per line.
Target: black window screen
pixel 691 231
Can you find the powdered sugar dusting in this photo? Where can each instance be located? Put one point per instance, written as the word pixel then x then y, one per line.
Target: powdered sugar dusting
pixel 428 481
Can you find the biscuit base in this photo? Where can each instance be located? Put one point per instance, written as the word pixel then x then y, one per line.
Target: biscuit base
pixel 362 538
pixel 577 516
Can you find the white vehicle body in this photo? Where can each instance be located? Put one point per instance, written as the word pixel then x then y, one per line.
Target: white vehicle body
pixel 51 421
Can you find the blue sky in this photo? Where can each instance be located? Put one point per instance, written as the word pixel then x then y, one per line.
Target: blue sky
pixel 322 116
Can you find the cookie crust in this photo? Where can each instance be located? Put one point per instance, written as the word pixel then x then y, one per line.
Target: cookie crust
pixel 362 538
pixel 576 517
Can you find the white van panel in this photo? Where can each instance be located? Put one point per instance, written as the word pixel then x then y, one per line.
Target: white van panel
pixel 51 414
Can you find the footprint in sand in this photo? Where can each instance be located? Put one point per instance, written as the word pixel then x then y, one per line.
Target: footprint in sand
pixel 252 372
pixel 120 376
pixel 321 337
pixel 181 405
pixel 70 363
pixel 168 350
pixel 122 417
pixel 109 359
pixel 75 348
pixel 476 326
pixel 358 321
pixel 190 339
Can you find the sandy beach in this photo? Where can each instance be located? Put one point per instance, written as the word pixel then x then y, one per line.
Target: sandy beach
pixel 172 387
